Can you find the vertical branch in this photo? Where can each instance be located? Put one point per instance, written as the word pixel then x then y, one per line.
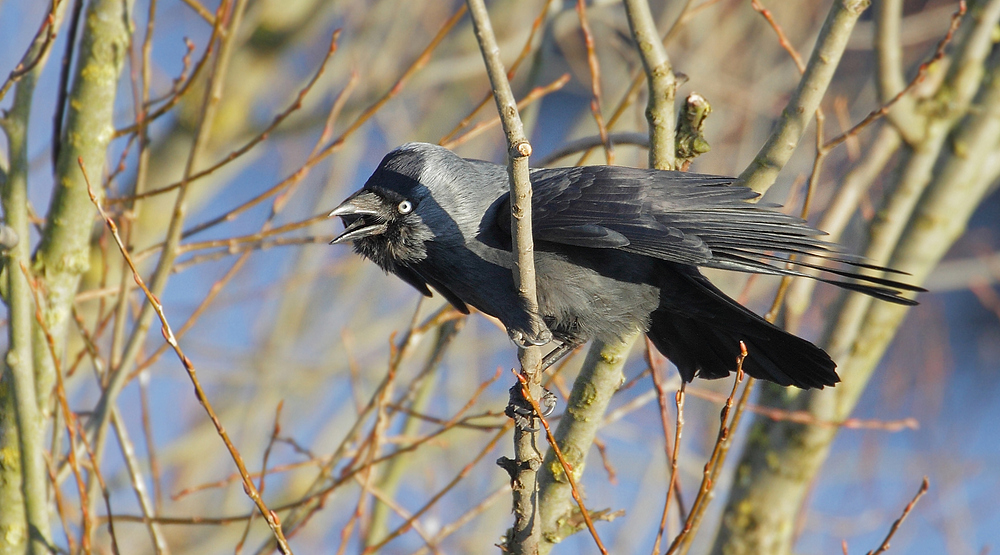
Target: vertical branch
pixel 64 253
pixel 24 520
pixel 518 152
pixel 662 84
pixel 526 533
pixel 602 371
pixel 23 424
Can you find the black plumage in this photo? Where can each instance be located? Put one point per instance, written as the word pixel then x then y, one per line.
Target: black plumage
pixel 616 250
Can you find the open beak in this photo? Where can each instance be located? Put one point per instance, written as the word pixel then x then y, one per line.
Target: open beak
pixel 361 214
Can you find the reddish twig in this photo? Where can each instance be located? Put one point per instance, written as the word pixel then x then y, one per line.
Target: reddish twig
pixel 567 468
pixel 89 346
pixel 671 452
pixel 708 480
pixel 96 470
pixel 175 88
pixel 782 37
pixel 956 18
pixel 261 137
pixel 235 476
pixel 602 450
pixel 60 502
pixel 536 94
pixel 248 486
pixel 906 511
pixel 525 50
pixel 807 418
pixel 595 81
pixel 48 28
pixel 232 242
pixel 275 432
pixel 843 115
pixel 466 422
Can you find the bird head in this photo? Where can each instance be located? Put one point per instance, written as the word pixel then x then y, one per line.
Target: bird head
pixel 419 194
pixel 384 225
pixel 399 210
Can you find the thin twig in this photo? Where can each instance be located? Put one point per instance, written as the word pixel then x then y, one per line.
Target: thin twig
pixel 924 486
pixel 259 138
pixel 536 25
pixel 782 37
pixel 587 143
pixel 708 482
pixel 807 418
pixel 533 96
pixel 527 531
pixel 956 19
pixel 339 142
pixel 37 51
pixel 671 448
pixel 595 81
pixel 251 490
pixel 178 92
pixel 105 493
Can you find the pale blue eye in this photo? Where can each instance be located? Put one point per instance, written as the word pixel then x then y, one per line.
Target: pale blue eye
pixel 405 207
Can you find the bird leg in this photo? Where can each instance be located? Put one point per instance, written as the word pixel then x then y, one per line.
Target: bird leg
pixel 566 346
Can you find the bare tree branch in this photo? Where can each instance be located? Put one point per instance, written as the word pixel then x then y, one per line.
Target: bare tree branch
pixel 763 171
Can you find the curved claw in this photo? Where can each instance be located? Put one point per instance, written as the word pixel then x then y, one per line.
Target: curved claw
pixel 528 338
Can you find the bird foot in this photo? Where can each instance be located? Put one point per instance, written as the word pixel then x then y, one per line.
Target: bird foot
pixel 521 410
pixel 539 335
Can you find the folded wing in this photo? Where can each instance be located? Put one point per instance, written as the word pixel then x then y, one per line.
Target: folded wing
pixel 687 218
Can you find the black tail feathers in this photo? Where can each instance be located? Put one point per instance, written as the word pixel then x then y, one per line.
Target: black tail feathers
pixel 699 329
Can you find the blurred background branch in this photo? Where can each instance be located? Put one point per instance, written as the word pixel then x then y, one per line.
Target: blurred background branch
pixel 216 130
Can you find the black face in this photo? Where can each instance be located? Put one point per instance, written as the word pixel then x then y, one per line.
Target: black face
pixel 367 213
pixel 383 227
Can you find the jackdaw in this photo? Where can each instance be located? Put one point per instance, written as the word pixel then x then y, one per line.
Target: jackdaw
pixel 617 250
